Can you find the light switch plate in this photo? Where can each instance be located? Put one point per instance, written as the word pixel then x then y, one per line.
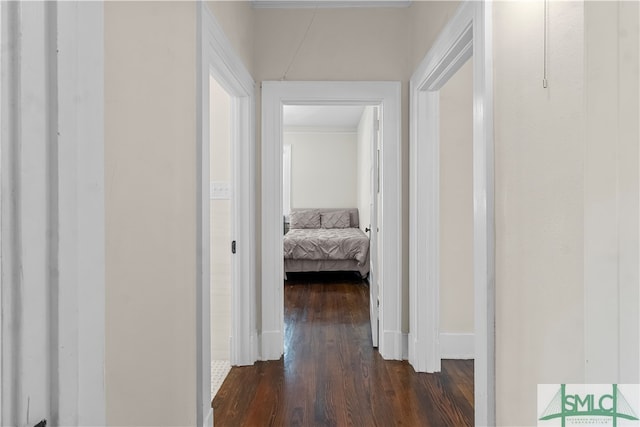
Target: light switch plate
pixel 220 190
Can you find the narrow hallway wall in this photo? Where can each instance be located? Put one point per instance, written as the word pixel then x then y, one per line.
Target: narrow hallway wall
pixel 539 146
pixel 150 124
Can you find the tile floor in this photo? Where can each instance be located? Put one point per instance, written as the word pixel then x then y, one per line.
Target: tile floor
pixel 219 371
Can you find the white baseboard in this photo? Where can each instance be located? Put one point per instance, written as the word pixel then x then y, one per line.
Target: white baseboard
pixel 456 346
pixel 405 346
pixel 452 345
pixel 208 421
pixel 250 354
pixel 271 345
pixel 393 345
pixel 255 351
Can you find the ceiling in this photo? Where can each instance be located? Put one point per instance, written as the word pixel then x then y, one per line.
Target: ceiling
pixel 337 117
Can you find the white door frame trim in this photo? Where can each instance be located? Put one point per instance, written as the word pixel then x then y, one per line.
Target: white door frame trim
pixel 52 143
pixel 469 32
pixel 216 57
pixel 275 94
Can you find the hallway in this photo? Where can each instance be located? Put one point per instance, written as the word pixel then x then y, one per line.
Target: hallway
pixel 331 375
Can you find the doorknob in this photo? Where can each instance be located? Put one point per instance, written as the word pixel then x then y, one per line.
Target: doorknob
pixel 367 229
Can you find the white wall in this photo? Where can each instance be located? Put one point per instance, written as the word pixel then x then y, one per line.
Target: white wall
pixel 236 19
pixel 365 142
pixel 539 157
pixel 150 158
pixel 425 21
pixel 456 202
pixel 343 44
pixel 220 213
pixel 612 325
pixel 567 189
pixel 539 192
pixel 323 169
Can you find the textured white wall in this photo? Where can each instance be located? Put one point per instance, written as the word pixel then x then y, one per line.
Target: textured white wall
pixel 539 157
pixel 344 44
pixel 567 172
pixel 323 169
pixel 456 202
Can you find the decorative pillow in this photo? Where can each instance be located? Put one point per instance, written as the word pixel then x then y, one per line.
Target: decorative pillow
pixel 337 219
pixel 304 219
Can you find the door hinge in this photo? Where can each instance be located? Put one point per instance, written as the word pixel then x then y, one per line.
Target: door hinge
pixel 233 247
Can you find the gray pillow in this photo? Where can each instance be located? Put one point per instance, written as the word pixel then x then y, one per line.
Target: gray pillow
pixel 337 219
pixel 305 219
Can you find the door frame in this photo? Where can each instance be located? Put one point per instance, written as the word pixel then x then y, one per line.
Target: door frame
pixel 216 57
pixel 52 128
pixel 469 32
pixel 374 190
pixel 276 94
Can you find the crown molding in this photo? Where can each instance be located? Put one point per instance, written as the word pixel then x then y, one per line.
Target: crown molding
pixel 327 4
pixel 319 129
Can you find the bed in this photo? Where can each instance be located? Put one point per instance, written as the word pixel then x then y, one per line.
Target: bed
pixel 325 240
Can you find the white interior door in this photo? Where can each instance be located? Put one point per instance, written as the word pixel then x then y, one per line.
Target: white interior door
pixel 374 272
pixel 286 180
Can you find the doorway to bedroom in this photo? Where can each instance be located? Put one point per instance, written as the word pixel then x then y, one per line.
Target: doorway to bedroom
pixel 386 301
pixel 330 171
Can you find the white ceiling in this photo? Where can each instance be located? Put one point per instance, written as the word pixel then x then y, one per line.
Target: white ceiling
pixel 345 117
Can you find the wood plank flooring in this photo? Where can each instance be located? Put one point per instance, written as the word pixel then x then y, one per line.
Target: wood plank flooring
pixel 331 376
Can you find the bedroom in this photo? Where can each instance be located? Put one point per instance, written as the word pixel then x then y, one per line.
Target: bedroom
pixel 327 174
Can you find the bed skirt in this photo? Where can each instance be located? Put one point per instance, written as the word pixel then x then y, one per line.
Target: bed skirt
pixel 307 265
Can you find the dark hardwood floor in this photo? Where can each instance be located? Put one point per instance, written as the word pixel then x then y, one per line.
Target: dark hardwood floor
pixel 331 376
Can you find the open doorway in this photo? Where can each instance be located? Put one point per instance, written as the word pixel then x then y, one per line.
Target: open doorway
pixel 329 170
pixel 218 61
pixel 277 96
pixel 456 216
pixel 222 231
pixel 467 33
